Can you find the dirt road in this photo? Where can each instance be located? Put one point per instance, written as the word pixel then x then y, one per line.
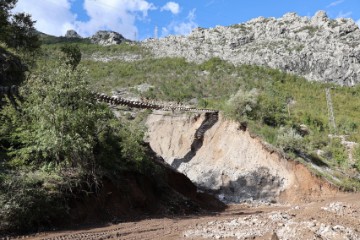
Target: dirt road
pixel 336 217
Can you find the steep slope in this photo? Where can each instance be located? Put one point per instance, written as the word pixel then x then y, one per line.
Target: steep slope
pixel 318 48
pixel 230 162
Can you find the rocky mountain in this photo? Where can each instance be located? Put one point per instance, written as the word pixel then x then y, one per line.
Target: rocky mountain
pixel 107 38
pixel 318 48
pixel 72 34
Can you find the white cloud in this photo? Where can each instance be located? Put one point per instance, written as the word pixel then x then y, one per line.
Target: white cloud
pixel 52 16
pixel 358 23
pixel 181 28
pixel 335 3
pixel 116 15
pixel 173 7
pixel 343 14
pixel 55 17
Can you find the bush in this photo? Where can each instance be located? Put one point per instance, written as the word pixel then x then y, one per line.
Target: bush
pixel 243 105
pixel 289 140
pixel 336 152
pixel 72 55
pixel 26 204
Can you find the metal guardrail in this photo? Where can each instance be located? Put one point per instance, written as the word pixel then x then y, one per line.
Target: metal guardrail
pixel 114 100
pixel 144 105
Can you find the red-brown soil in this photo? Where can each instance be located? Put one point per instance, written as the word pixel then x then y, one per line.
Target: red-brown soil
pixel 336 217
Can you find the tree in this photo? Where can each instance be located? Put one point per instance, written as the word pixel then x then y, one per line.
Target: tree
pixel 5 7
pixel 60 119
pixel 61 122
pixel 17 30
pixel 72 55
pixel 23 35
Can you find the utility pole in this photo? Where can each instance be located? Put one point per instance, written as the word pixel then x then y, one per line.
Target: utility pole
pixel 330 109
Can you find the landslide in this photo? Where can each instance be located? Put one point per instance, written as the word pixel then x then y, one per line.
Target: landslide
pixel 131 196
pixel 135 196
pixel 230 162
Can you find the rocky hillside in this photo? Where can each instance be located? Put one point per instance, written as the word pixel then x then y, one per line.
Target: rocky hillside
pixel 318 48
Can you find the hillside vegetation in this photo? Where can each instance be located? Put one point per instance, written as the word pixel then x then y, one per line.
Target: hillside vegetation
pixel 287 111
pixel 58 144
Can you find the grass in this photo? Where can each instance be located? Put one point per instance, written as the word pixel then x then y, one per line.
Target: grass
pixel 285 100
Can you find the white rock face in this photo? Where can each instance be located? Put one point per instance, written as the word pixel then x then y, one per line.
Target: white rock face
pixel 318 48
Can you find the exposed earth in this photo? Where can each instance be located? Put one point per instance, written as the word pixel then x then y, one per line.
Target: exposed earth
pixel 299 206
pixel 332 217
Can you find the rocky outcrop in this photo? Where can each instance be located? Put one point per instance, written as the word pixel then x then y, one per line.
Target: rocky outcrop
pixel 318 48
pixel 72 34
pixel 106 38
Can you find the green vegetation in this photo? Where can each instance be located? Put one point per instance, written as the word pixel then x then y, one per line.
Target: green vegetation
pixel 48 39
pixel 17 31
pixel 90 51
pixel 57 143
pixel 274 104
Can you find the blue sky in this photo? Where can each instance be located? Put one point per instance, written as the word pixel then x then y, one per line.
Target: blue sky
pixel 138 18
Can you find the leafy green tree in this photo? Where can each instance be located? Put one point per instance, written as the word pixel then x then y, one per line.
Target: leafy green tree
pixel 17 30
pixel 60 120
pixel 59 142
pixel 72 54
pixel 5 7
pixel 23 36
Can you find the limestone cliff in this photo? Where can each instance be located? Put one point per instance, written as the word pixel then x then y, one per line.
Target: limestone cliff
pixel 318 48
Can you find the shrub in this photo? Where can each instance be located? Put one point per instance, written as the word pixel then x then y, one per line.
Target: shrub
pixel 26 204
pixel 72 55
pixel 289 140
pixel 336 152
pixel 243 105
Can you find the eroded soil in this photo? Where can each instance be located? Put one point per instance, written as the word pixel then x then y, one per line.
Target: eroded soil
pixel 333 217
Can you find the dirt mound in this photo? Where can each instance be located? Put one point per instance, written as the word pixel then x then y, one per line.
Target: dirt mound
pixel 230 162
pixel 137 196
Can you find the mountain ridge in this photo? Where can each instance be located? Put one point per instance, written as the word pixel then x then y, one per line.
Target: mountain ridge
pixel 318 48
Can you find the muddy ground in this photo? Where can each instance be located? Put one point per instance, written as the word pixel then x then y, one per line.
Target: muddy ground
pixel 333 217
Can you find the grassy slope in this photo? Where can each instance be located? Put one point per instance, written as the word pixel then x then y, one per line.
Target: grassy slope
pixel 215 81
